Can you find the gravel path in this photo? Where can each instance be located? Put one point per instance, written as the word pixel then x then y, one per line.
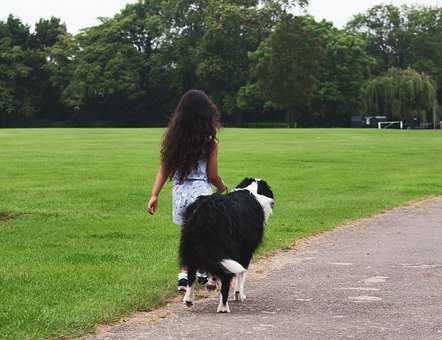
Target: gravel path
pixel 379 278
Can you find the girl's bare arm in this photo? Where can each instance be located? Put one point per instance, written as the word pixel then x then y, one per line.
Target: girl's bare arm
pixel 160 180
pixel 212 170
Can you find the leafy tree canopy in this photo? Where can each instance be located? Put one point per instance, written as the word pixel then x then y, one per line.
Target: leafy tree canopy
pixel 401 95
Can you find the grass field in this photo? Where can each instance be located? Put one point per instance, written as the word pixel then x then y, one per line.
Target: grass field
pixel 77 247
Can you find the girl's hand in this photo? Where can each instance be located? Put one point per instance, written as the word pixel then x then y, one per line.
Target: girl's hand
pixel 225 190
pixel 152 205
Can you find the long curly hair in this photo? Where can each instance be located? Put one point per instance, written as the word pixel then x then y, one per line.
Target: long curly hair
pixel 191 134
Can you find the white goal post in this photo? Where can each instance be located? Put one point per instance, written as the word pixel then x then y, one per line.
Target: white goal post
pixel 386 125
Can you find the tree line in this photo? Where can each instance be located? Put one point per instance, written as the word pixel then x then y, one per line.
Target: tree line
pixel 256 59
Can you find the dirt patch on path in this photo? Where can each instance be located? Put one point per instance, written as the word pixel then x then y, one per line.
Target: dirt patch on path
pixel 5 216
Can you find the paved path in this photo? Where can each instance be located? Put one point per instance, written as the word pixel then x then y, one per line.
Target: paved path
pixel 380 278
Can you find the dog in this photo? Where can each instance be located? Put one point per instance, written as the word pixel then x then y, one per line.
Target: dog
pixel 220 234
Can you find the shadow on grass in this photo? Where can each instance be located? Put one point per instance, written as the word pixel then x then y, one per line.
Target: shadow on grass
pixel 6 216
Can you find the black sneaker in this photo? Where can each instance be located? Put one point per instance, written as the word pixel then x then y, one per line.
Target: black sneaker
pixel 182 282
pixel 202 278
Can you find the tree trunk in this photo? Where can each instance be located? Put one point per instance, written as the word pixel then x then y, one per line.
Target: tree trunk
pixel 291 118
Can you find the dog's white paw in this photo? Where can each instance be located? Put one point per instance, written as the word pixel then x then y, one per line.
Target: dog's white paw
pixel 223 308
pixel 188 301
pixel 189 297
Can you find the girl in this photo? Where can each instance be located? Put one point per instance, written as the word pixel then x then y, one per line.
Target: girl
pixel 189 158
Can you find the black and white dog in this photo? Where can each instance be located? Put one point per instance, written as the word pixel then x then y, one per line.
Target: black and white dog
pixel 220 235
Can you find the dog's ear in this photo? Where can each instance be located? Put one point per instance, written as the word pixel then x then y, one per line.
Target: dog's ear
pixel 264 189
pixel 245 183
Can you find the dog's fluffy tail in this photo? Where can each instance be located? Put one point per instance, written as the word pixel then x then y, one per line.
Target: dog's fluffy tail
pixel 232 266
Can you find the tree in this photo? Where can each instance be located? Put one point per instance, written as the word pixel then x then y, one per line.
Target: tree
pixel 111 68
pixel 17 99
pixel 25 84
pixel 405 37
pixel 338 94
pixel 231 32
pixel 47 32
pixel 425 25
pixel 288 63
pixel 401 95
pixel 60 67
pixel 209 41
pixel 140 61
pixel 384 28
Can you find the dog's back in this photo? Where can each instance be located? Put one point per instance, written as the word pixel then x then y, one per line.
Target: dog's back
pixel 220 227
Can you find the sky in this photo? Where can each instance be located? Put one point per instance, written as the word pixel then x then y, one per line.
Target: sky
pixel 79 14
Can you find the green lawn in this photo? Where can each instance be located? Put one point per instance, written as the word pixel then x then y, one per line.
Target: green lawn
pixel 77 247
